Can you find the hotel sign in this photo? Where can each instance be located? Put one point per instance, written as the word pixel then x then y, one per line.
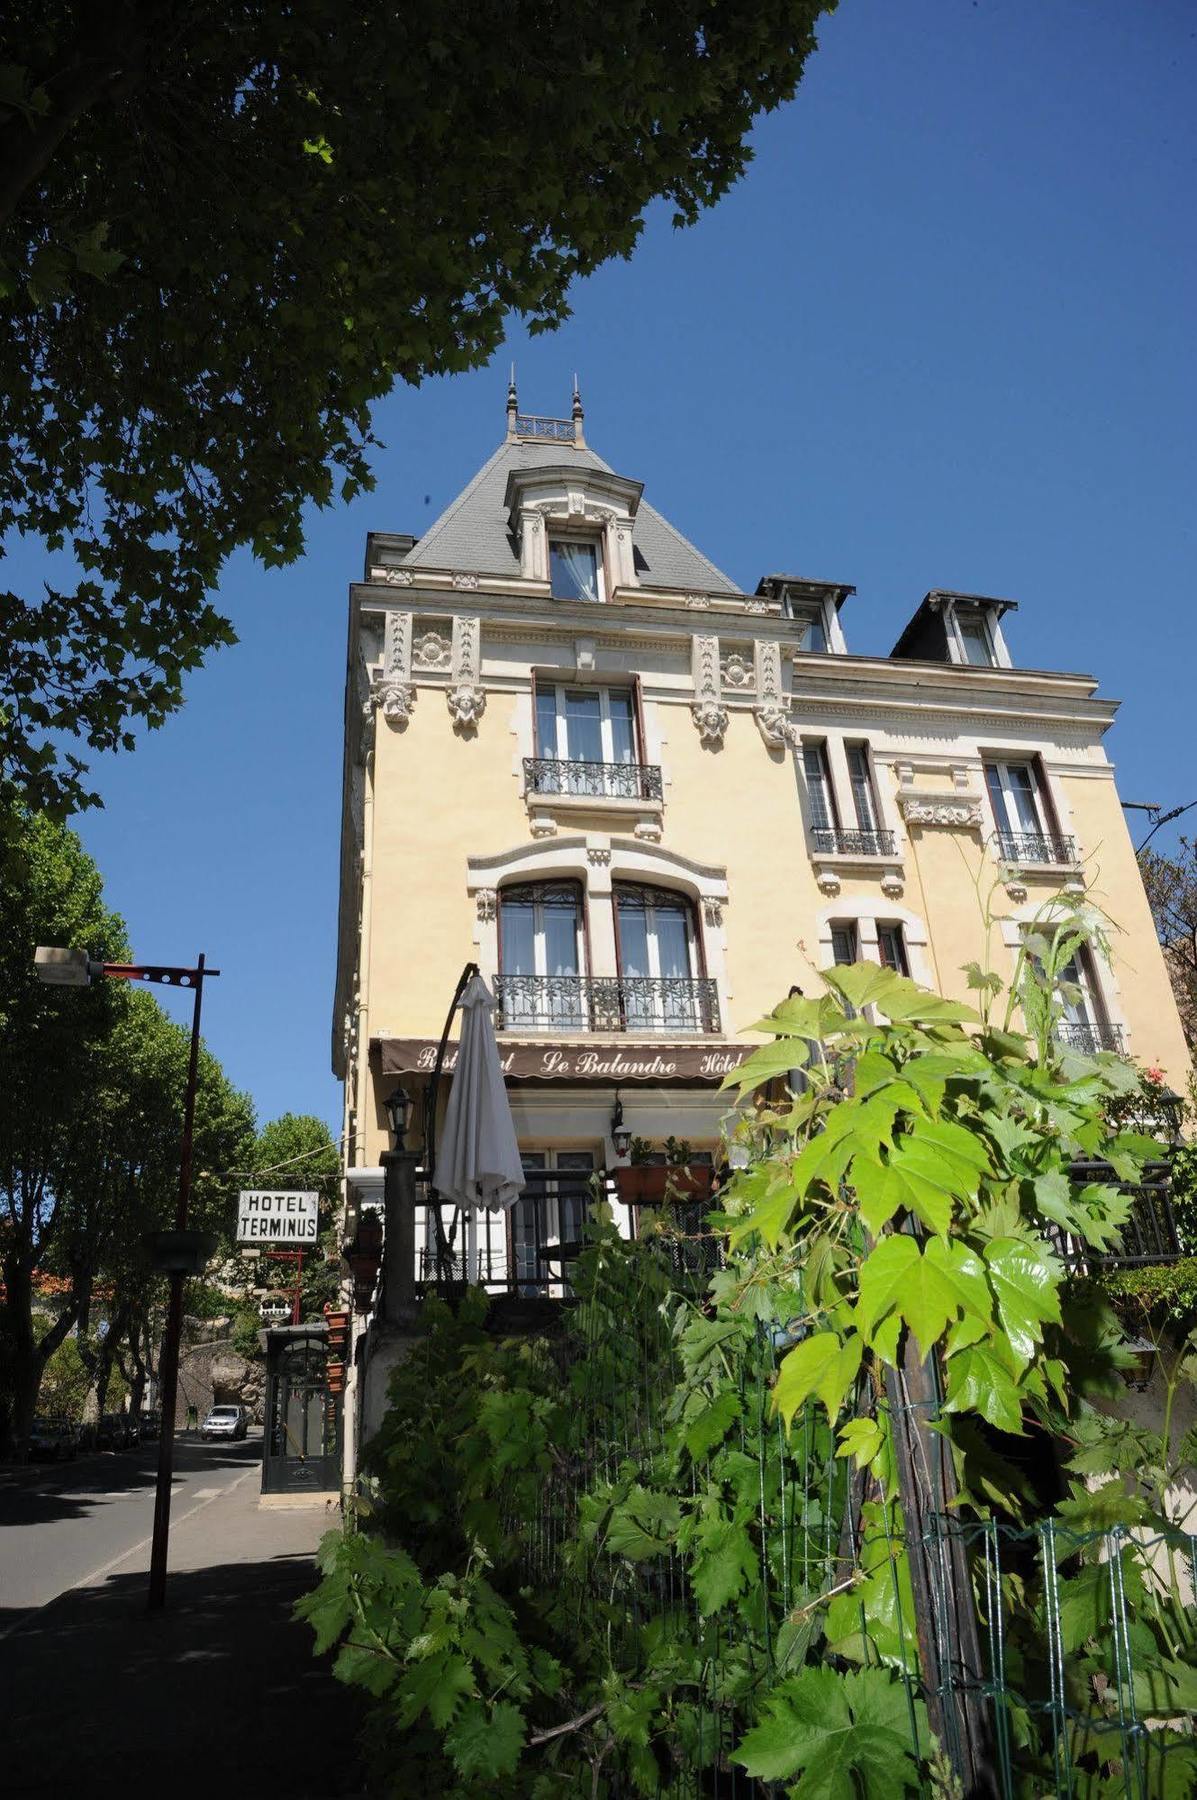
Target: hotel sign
pixel 279 1218
pixel 576 1062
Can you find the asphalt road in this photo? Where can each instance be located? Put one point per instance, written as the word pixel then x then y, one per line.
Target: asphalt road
pixel 66 1525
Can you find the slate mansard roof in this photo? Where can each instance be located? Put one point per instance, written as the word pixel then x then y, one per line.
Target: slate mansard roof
pixel 473 533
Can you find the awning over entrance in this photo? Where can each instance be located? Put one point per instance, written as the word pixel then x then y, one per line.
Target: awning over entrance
pixel 576 1062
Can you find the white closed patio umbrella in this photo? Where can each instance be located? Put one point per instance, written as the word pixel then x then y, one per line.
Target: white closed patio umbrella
pixel 478 1159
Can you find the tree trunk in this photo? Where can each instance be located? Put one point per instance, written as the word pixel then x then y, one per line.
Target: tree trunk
pixel 946 1623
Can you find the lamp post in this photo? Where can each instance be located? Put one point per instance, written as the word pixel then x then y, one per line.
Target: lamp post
pixel 176 1253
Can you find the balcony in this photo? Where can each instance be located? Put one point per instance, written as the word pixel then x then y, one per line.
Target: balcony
pixel 612 1003
pixel 592 780
pixel 1090 1038
pixel 1037 847
pixel 833 840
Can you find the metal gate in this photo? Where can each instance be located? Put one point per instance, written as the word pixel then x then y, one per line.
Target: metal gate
pixel 302 1452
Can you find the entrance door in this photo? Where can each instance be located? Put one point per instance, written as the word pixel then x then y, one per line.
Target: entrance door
pixel 303 1422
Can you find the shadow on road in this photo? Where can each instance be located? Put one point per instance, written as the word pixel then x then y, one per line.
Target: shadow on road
pixel 40 1494
pixel 221 1693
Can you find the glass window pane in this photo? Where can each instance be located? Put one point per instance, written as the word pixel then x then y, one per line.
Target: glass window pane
pixel 975 639
pixel 623 726
pixel 546 722
pixel 1022 792
pixel 814 762
pixel 633 939
pixel 583 725
pixel 892 948
pixel 812 636
pixel 573 570
pixel 673 943
pixel 843 943
pixel 997 796
pixel 862 787
pixel 561 940
pixel 518 941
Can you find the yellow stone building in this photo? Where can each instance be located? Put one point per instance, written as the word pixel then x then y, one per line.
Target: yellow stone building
pixel 647 803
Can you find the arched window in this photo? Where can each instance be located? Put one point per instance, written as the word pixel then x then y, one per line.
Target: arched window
pixel 660 965
pixel 542 955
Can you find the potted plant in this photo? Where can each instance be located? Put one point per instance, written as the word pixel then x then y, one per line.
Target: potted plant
pixel 647 1181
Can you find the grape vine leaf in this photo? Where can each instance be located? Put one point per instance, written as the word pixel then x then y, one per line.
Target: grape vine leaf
pixel 845 1736
pixel 824 1365
pixel 1025 1280
pixel 487 1741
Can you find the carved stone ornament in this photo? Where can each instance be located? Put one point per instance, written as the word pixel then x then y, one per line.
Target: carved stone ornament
pixel 395 577
pixel 707 710
pixel 1017 891
pixel 395 691
pixel 775 726
pixel 542 825
pixel 697 603
pixel 757 606
pixel 647 830
pixel 961 811
pixel 465 580
pixel 466 704
pixel 892 885
pixel 488 902
pixel 365 741
pixel 712 911
pixel 828 882
pixel 737 670
pixel 711 720
pixel 398 698
pixel 466 698
pixel 771 710
pixel 598 858
pixel 431 650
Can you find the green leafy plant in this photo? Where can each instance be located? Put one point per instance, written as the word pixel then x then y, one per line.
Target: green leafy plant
pixel 690 1501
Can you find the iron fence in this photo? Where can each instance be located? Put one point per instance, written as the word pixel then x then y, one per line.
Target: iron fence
pixel 1036 847
pixel 1088 1037
pixel 598 780
pixel 609 1003
pixel 834 840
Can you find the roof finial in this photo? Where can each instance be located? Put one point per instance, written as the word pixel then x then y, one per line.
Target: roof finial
pixel 577 414
pixel 513 405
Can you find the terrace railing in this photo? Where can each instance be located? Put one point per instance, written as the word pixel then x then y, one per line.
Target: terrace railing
pixel 593 780
pixel 611 1003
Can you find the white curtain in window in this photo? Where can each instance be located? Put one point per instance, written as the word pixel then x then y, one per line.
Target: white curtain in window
pixel 581 563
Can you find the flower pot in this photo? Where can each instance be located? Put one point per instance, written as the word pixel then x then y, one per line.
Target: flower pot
pixel 656 1184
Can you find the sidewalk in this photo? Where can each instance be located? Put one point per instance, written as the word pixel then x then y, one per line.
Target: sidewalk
pixel 218 1694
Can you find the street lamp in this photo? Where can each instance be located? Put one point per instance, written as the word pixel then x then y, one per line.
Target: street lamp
pixel 621 1135
pixel 176 1253
pixel 397 1106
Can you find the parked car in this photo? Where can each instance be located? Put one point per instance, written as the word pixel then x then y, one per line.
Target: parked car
pixel 114 1432
pixel 150 1424
pixel 53 1439
pixel 225 1422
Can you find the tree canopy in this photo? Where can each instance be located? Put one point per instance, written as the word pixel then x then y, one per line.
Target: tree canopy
pixel 224 234
pixel 91 1085
pixel 1171 883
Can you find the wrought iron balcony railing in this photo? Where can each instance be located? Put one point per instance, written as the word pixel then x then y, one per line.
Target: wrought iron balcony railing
pixel 1037 847
pixel 1089 1037
pixel 647 1003
pixel 1150 1234
pixel 599 780
pixel 535 425
pixel 833 840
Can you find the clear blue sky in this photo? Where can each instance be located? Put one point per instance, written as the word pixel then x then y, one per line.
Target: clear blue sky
pixel 942 335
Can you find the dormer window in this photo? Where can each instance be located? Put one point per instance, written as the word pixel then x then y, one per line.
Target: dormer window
pixel 812 631
pixel 575 569
pixel 973 641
